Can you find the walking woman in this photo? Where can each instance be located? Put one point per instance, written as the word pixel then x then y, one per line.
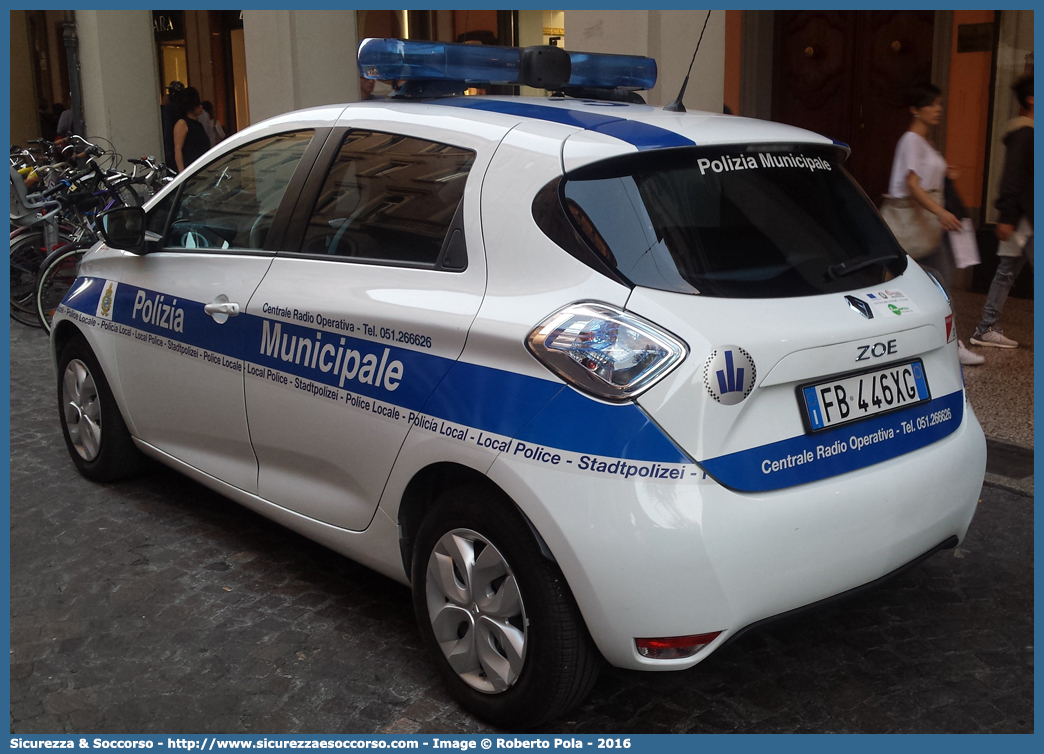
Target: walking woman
pixel 914 207
pixel 190 138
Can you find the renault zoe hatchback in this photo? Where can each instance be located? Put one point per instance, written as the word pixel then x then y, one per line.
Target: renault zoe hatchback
pixel 601 382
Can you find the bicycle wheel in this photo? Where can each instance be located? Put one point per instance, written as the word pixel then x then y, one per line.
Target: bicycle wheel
pixel 27 254
pixel 57 275
pixel 128 194
pixel 28 251
pixel 23 317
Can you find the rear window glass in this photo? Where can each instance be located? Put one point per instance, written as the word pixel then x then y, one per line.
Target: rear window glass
pixel 766 222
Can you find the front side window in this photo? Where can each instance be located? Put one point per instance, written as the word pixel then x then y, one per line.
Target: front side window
pixel 756 222
pixel 231 202
pixel 156 220
pixel 388 198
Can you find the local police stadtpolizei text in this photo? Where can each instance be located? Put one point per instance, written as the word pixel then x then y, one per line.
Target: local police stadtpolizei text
pixel 729 163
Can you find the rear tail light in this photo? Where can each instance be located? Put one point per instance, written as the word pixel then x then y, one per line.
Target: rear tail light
pixel 604 350
pixel 674 647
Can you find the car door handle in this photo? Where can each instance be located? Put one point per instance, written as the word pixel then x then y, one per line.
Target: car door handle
pixel 221 309
pixel 225 307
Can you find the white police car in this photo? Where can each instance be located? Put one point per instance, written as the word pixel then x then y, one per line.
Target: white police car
pixel 598 380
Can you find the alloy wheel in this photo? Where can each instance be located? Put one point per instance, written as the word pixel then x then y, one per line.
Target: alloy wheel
pixel 82 410
pixel 476 611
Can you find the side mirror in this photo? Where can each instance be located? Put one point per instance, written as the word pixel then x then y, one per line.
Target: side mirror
pixel 123 228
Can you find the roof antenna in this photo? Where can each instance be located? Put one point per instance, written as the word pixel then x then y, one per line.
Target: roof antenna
pixel 677 106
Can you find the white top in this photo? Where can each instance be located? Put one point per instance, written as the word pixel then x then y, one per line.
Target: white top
pixel 913 153
pixel 213 128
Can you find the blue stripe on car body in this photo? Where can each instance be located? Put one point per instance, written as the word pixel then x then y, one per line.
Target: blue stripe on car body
pixel 641 135
pixel 546 412
pixel 810 458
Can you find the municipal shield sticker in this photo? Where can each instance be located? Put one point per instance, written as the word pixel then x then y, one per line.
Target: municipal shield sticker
pixel 729 374
pixel 108 297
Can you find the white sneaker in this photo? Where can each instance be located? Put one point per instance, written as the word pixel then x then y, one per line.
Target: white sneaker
pixel 993 338
pixel 967 358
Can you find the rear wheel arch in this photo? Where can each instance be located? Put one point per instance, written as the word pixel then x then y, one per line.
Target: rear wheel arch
pixel 502 626
pixel 429 484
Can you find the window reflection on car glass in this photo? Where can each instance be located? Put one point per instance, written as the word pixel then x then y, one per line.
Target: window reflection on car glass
pixel 231 203
pixel 156 222
pixel 388 197
pixel 768 230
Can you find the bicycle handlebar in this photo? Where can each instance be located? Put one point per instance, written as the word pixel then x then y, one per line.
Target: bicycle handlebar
pixel 55 189
pixel 64 183
pixel 147 162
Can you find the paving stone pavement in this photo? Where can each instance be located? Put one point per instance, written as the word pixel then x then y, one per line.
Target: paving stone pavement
pixel 157 606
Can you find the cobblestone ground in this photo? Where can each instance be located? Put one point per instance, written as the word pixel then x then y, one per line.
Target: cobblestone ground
pixel 158 606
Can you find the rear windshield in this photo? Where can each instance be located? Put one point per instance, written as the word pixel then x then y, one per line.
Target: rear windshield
pixel 759 222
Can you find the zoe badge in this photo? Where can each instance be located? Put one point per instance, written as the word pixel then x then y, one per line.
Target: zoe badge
pixel 729 374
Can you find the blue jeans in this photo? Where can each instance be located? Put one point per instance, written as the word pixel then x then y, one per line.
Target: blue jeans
pixel 1007 272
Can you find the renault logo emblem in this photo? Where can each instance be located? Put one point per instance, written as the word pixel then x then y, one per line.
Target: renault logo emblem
pixel 860 306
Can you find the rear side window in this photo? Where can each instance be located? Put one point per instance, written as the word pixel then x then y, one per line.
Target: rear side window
pixel 231 202
pixel 391 199
pixel 765 222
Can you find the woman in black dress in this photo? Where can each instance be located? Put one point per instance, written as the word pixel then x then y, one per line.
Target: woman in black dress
pixel 190 138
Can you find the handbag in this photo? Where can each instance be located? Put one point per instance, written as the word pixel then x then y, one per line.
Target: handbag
pixel 916 229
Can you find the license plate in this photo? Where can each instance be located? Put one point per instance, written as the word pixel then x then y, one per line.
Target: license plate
pixel 854 397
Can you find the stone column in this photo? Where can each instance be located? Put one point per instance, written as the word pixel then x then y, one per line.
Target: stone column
pixel 299 58
pixel 197 49
pixel 56 56
pixel 120 80
pixel 25 123
pixel 670 37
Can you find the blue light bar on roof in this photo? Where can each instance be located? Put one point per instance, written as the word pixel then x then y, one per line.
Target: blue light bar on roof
pixel 626 71
pixel 387 59
pixel 411 60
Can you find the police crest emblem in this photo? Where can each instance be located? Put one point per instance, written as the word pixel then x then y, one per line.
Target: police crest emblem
pixel 108 297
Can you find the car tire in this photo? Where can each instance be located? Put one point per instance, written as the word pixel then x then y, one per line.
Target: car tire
pixel 94 430
pixel 475 539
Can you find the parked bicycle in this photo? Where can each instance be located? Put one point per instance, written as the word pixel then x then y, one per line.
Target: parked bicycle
pixel 58 222
pixel 55 279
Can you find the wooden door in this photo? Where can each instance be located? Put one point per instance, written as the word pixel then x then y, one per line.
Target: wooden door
pixel 844 74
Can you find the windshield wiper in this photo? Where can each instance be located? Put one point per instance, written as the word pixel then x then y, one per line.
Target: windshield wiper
pixel 841 269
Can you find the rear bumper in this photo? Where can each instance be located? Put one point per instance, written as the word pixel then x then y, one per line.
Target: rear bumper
pixel 798 612
pixel 650 559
